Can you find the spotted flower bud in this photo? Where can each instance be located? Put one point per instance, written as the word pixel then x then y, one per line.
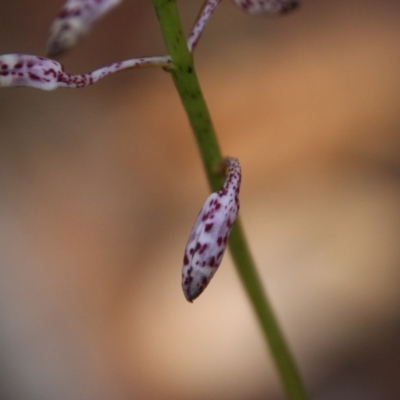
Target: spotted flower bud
pixel 208 239
pixel 267 6
pixel 26 70
pixel 43 73
pixel 74 20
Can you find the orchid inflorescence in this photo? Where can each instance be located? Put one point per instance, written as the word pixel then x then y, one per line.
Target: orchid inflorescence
pixel 75 19
pixel 209 236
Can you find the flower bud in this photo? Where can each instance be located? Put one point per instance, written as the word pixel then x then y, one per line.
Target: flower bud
pixel 267 6
pixel 208 239
pixel 74 20
pixel 27 70
pixel 43 73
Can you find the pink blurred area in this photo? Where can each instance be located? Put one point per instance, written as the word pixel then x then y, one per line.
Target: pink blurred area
pixel 99 188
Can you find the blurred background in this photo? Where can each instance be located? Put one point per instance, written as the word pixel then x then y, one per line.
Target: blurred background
pixel 99 188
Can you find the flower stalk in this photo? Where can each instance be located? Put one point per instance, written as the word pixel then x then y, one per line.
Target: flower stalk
pixel 188 87
pixel 207 243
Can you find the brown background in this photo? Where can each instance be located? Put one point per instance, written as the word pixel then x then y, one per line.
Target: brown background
pixel 99 189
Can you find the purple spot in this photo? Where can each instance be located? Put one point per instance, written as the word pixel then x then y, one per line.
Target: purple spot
pixel 185 260
pixel 203 248
pixel 208 227
pixel 205 216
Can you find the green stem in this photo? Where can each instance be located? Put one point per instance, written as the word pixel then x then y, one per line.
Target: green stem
pixel 188 87
pixel 284 362
pixel 187 84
